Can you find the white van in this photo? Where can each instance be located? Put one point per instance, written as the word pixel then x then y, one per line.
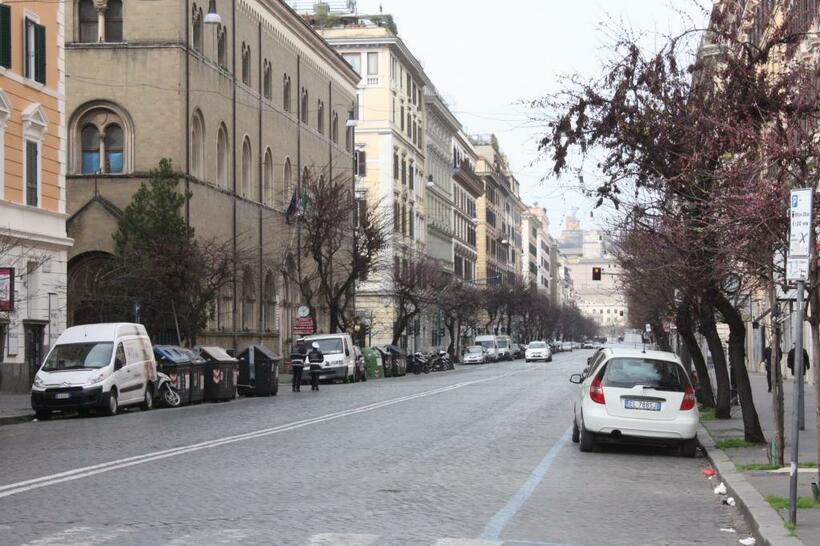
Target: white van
pixel 504 347
pixel 490 343
pixel 340 358
pixel 96 366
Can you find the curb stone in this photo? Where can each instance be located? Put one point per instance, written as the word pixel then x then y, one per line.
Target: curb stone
pixel 767 525
pixel 16 419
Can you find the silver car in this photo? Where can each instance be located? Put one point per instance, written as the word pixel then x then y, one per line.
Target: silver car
pixel 475 354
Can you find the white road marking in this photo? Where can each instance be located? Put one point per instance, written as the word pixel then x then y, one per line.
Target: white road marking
pixel 342 539
pixel 466 542
pixel 87 536
pixel 87 471
pixel 211 536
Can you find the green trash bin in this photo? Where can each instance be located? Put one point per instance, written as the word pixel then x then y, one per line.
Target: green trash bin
pixel 372 363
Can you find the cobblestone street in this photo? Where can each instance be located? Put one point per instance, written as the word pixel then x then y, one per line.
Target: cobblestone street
pixel 480 455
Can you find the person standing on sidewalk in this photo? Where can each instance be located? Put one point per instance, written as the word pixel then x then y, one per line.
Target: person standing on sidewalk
pixel 767 362
pixel 790 361
pixel 297 362
pixel 315 359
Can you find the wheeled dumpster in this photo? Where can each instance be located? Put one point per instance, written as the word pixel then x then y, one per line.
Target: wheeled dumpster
pixel 176 364
pixel 197 375
pixel 372 363
pixel 221 371
pixel 258 371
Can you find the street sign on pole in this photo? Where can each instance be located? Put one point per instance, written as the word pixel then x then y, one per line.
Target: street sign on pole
pixel 797 268
pixel 800 226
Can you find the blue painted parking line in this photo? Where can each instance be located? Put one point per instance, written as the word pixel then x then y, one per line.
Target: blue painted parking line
pixel 500 520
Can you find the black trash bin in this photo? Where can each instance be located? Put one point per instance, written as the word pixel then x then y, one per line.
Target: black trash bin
pixel 176 364
pixel 258 371
pixel 197 386
pixel 221 371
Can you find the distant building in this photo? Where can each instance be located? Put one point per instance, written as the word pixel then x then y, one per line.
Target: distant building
pixel 33 241
pixel 538 247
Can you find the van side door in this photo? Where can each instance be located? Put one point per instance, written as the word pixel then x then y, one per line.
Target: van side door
pixel 123 375
pixel 135 363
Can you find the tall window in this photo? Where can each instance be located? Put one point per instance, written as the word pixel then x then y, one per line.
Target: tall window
pixel 372 64
pixel 35 49
pixel 349 139
pixel 248 301
pixel 222 47
pixel 395 165
pixel 32 173
pixel 269 298
pixel 354 60
pixel 286 93
pixel 304 106
pixel 113 21
pixel 320 118
pixel 267 177
pixel 334 128
pixel 247 169
pixel 287 183
pixel 89 22
pixel 222 157
pixel 267 88
pixel 246 64
pixel 101 142
pixel 198 146
pixel 196 27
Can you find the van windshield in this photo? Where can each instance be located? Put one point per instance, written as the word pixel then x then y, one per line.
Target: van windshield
pixel 487 344
pixel 329 346
pixel 79 356
pixel 503 343
pixel 626 373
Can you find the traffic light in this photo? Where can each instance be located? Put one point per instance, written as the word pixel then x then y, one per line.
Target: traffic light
pixel 596 273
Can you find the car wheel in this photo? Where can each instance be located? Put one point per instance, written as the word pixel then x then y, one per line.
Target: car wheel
pixel 148 399
pixel 43 415
pixel 586 441
pixel 689 448
pixel 549 359
pixel 576 433
pixel 113 404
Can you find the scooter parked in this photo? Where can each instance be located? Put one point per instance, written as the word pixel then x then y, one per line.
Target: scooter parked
pixel 168 395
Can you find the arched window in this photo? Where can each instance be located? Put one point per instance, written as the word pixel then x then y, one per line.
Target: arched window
pixel 222 157
pixel 247 169
pixel 320 118
pixel 287 184
pixel 267 87
pixel 269 297
pixel 224 310
pixel 304 109
pixel 113 21
pixel 246 64
pixel 101 138
pixel 267 176
pixel 349 139
pixel 89 22
pixel 305 178
pixel 196 27
pixel 286 93
pixel 248 301
pixel 222 46
pixel 198 146
pixel 334 128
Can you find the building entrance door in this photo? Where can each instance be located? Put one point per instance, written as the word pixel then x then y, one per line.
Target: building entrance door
pixel 34 347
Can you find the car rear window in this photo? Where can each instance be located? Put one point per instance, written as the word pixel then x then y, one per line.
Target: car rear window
pixel 626 373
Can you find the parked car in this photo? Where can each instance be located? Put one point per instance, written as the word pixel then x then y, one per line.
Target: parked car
pixel 504 347
pixel 628 395
pixel 538 350
pixel 96 366
pixel 475 354
pixel 517 350
pixel 490 344
pixel 566 345
pixel 587 345
pixel 340 357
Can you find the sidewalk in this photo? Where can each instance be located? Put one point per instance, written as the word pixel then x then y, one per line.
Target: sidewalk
pixel 15 408
pixel 769 482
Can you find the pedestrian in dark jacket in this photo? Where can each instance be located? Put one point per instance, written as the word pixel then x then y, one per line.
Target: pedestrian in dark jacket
pixel 767 361
pixel 315 359
pixel 790 361
pixel 297 362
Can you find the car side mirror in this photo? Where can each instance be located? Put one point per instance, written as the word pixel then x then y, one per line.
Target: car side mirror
pixel 576 378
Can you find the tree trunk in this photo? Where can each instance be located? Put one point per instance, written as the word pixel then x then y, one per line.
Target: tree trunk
pixel 683 320
pixel 709 330
pixel 451 326
pixel 752 431
pixel 333 311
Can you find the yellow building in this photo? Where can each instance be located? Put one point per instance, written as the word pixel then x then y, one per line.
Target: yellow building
pixel 33 242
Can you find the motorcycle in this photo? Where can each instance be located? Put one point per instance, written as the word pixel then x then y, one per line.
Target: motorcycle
pixel 168 395
pixel 420 363
pixel 447 361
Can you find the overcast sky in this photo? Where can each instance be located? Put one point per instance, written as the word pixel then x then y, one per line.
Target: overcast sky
pixel 484 56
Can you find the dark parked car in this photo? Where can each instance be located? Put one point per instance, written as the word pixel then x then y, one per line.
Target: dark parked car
pixel 517 350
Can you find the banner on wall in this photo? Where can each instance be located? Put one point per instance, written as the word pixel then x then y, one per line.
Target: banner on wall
pixel 6 288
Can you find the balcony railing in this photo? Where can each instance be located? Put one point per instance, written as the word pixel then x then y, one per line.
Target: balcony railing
pixel 373 81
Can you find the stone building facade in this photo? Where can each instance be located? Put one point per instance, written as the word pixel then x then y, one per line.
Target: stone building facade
pixel 246 109
pixel 33 241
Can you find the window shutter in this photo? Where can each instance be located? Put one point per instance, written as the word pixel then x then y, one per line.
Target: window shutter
pixel 361 165
pixel 5 35
pixel 40 53
pixel 32 173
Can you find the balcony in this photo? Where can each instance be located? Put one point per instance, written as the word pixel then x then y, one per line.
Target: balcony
pixel 373 81
pixel 467 177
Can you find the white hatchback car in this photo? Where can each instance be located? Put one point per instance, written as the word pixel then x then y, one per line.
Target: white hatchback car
pixel 628 395
pixel 538 350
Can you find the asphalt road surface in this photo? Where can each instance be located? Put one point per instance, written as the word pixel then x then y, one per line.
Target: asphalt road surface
pixel 479 455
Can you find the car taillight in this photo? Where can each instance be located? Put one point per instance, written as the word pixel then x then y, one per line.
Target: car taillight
pixel 596 391
pixel 688 401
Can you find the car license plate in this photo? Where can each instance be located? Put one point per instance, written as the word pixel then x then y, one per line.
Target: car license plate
pixel 62 395
pixel 642 405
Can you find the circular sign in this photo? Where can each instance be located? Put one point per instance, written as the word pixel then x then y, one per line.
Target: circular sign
pixel 303 311
pixel 731 283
